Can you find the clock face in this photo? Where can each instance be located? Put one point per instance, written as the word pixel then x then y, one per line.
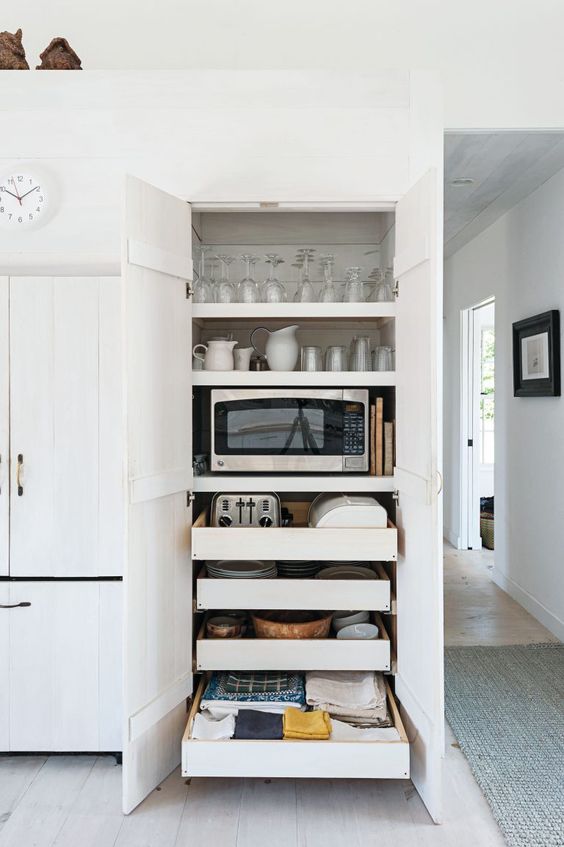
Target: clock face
pixel 23 201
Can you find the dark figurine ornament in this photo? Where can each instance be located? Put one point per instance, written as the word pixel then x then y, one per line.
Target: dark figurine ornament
pixel 12 53
pixel 59 56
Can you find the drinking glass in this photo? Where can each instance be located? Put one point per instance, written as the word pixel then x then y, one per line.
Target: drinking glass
pixel 311 359
pixel 203 291
pixel 328 293
pixel 305 292
pixel 225 290
pixel 382 359
pixel 354 286
pixel 273 290
pixel 336 358
pixel 387 290
pixel 248 290
pixel 375 280
pixel 360 354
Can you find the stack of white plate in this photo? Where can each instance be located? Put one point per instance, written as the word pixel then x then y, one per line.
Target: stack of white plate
pixel 241 569
pixel 297 569
pixel 346 572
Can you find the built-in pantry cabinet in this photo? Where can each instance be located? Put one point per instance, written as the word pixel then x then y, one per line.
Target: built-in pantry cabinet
pixel 392 169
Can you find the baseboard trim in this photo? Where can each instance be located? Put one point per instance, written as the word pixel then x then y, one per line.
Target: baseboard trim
pixel 452 538
pixel 547 618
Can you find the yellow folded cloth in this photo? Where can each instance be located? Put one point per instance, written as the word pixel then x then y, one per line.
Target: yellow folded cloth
pixel 312 726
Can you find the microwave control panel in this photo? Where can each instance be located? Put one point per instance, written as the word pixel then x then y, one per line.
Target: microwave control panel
pixel 353 431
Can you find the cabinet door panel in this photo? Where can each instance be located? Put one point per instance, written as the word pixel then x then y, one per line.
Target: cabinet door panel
pixel 419 682
pixel 54 666
pixel 65 427
pixel 4 427
pixel 4 668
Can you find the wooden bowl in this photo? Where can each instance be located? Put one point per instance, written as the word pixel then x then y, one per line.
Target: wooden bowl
pixel 223 627
pixel 292 624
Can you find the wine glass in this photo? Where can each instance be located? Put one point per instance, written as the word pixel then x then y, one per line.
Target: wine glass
pixel 225 291
pixel 203 291
pixel 354 286
pixel 248 290
pixel 305 292
pixel 328 293
pixel 273 290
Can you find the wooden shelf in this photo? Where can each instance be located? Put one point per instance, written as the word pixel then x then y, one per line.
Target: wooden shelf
pixel 293 311
pixel 257 379
pixel 212 482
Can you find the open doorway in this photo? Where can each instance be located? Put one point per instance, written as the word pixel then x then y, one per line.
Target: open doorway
pixel 478 426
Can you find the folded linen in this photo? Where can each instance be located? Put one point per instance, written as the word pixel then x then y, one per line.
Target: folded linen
pixel 312 726
pixel 217 709
pixel 341 731
pixel 279 687
pixel 252 724
pixel 350 690
pixel 206 729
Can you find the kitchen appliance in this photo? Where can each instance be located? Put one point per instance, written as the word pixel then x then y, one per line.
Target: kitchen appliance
pixel 245 510
pixel 313 430
pixel 346 510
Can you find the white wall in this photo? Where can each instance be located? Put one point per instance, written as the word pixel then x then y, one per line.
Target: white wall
pixel 501 62
pixel 520 261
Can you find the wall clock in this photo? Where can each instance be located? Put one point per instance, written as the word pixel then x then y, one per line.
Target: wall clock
pixel 23 200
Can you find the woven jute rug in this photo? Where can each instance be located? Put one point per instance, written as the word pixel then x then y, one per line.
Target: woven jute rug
pixel 506 708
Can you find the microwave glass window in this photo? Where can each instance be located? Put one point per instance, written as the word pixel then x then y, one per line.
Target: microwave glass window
pixel 277 427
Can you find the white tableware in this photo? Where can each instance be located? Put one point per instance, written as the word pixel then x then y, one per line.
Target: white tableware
pixel 218 355
pixel 359 632
pixel 344 572
pixel 282 348
pixel 242 357
pixel 343 619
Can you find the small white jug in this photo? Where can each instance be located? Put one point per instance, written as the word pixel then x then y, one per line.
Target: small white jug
pixel 218 356
pixel 282 347
pixel 242 356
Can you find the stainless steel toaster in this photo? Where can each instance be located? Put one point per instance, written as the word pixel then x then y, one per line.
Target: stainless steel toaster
pixel 245 510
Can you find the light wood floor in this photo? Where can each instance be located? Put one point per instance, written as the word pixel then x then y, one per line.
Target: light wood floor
pixel 74 801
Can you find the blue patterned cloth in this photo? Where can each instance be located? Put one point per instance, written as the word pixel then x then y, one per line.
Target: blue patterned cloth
pixel 291 688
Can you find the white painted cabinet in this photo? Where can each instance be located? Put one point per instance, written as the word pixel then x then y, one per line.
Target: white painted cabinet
pixel 61 648
pixel 65 427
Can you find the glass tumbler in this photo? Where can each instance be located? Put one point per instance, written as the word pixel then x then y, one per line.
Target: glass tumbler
pixel 336 358
pixel 354 286
pixel 382 359
pixel 311 359
pixel 360 357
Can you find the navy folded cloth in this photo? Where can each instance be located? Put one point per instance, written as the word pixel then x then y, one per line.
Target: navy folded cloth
pixel 251 724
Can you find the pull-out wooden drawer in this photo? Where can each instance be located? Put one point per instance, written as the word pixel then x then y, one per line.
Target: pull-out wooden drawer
pixel 294 593
pixel 294 759
pixel 269 654
pixel 296 542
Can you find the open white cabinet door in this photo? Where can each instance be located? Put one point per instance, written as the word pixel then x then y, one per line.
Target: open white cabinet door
pixel 157 265
pixel 419 681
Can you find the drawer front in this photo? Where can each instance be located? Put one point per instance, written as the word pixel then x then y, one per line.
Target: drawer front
pixel 289 654
pixel 363 544
pixel 293 594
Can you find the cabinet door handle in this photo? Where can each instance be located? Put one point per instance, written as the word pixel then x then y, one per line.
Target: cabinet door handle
pixel 15 605
pixel 19 475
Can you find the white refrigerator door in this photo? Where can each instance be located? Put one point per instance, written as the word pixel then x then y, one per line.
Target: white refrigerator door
pixel 419 684
pixel 157 265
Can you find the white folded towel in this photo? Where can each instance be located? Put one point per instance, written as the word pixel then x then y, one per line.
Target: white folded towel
pixel 219 708
pixel 345 690
pixel 206 729
pixel 341 731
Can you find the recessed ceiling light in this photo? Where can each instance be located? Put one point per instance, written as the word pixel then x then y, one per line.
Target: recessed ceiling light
pixel 461 181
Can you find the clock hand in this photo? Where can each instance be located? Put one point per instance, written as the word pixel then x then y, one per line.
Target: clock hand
pixel 17 192
pixel 29 192
pixel 10 193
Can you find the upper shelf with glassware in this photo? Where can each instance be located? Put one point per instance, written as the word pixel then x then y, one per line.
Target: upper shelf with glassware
pixel 325 279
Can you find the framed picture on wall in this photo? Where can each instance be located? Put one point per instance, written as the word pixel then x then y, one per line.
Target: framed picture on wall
pixel 536 356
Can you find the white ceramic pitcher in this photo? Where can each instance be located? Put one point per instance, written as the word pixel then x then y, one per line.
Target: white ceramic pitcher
pixel 282 348
pixel 218 355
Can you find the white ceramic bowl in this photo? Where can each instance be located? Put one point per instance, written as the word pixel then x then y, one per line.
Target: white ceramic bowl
pixel 342 619
pixel 359 632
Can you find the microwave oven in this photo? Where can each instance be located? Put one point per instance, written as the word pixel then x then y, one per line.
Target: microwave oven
pixel 281 430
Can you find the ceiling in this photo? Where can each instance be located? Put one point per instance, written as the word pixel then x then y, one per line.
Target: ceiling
pixel 505 167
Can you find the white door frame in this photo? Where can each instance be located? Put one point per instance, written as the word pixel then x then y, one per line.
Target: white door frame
pixel 469 519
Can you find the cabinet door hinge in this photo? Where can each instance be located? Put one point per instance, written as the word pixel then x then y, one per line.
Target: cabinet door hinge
pixel 189 290
pixel 395 289
pixel 190 497
pixel 395 497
